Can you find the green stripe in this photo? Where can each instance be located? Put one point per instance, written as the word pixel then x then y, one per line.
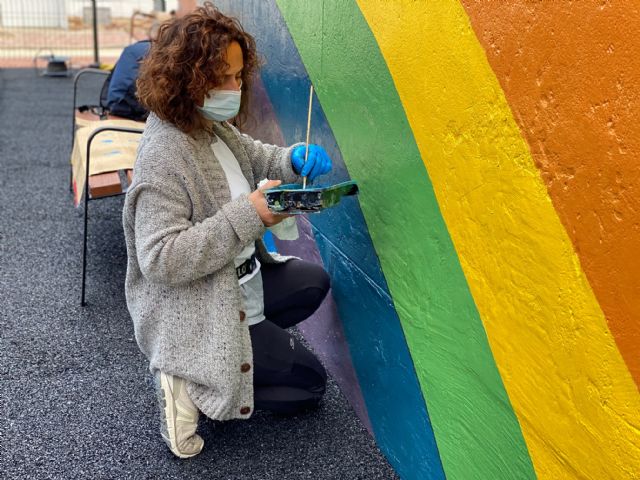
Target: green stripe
pixel 476 430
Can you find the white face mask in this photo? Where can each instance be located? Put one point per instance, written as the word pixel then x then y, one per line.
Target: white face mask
pixel 221 105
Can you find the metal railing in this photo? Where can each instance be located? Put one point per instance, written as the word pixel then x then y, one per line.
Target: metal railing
pixel 83 32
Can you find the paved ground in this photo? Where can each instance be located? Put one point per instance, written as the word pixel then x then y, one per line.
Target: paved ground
pixel 75 396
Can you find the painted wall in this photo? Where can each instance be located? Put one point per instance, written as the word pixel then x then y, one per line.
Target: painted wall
pixel 485 280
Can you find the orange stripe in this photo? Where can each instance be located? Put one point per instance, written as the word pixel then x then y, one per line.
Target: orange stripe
pixel 571 73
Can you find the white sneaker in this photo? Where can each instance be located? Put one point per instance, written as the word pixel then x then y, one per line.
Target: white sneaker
pixel 179 416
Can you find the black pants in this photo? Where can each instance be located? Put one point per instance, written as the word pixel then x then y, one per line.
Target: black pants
pixel 287 377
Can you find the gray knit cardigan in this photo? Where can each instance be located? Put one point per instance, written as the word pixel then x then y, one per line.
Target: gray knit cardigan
pixel 182 232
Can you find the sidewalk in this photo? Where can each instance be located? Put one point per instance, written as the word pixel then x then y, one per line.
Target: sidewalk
pixel 76 397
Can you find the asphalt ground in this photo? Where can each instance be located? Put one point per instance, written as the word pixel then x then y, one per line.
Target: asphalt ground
pixel 76 397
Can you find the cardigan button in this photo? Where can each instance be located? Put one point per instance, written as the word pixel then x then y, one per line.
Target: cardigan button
pixel 242 316
pixel 245 410
pixel 245 367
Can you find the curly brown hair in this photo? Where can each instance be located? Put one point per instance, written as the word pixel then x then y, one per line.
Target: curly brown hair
pixel 187 59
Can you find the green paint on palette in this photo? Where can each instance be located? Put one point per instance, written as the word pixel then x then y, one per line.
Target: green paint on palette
pixel 296 199
pixel 476 430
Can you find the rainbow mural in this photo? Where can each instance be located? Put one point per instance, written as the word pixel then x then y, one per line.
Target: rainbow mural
pixel 484 320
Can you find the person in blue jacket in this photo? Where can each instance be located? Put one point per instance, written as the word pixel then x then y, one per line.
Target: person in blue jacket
pixel 121 94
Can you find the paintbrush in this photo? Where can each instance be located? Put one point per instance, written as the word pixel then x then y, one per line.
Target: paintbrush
pixel 306 150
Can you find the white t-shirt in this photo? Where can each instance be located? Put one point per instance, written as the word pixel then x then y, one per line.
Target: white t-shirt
pixel 252 293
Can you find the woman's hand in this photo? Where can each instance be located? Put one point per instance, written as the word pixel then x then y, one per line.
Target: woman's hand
pixel 318 161
pixel 260 203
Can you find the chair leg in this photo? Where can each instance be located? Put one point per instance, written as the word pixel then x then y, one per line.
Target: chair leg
pixel 84 243
pixel 86 198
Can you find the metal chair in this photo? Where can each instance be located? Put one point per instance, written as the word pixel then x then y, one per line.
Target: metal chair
pixel 89 193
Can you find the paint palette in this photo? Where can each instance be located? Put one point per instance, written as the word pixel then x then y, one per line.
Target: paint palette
pixel 292 199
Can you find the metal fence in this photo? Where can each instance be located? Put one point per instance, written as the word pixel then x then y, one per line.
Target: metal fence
pixel 33 30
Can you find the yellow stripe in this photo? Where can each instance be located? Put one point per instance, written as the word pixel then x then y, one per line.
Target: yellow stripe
pixel 572 393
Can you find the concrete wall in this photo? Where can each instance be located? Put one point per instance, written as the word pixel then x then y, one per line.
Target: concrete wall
pixel 485 281
pixel 34 13
pixel 116 8
pixel 54 13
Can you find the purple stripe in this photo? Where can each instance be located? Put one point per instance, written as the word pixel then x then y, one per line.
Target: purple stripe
pixel 323 330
